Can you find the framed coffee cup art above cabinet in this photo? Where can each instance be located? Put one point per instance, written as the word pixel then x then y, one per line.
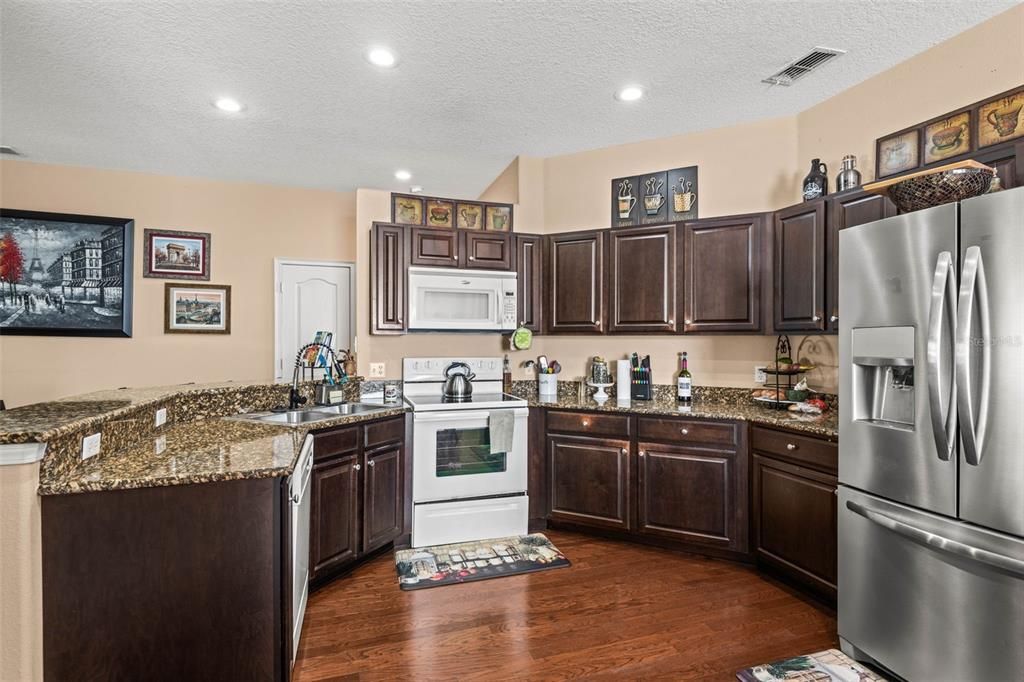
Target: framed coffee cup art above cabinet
pixel 654 198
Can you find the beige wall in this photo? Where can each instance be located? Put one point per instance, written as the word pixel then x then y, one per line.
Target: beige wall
pixel 983 61
pixel 250 225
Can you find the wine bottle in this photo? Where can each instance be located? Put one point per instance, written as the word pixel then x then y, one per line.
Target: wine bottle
pixel 684 382
pixel 506 376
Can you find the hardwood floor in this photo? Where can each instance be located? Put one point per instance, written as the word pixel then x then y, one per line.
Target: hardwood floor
pixel 621 611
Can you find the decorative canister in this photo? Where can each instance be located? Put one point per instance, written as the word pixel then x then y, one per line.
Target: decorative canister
pixel 599 373
pixel 849 176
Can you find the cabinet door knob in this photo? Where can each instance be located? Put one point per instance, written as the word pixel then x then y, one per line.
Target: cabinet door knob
pixel 684 431
pixel 791 446
pixel 623 451
pixel 597 322
pixel 356 467
pixel 586 422
pixel 834 318
pixel 688 321
pixel 372 462
pixel 472 258
pixel 816 318
pixel 671 321
pixel 641 453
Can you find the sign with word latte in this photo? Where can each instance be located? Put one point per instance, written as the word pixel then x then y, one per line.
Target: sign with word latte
pixel 650 198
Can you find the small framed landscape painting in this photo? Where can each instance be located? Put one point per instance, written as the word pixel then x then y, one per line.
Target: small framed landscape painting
pixel 65 275
pixel 171 254
pixel 897 153
pixel 440 213
pixel 499 217
pixel 197 308
pixel 999 119
pixel 469 216
pixel 948 136
pixel 406 210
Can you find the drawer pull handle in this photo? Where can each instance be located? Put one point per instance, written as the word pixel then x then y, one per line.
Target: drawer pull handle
pixel 684 431
pixel 586 422
pixel 791 446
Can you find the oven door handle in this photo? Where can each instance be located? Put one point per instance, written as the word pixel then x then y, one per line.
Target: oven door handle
pixel 454 417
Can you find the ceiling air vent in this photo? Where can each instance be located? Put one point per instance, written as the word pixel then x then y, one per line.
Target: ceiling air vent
pixel 799 68
pixel 4 149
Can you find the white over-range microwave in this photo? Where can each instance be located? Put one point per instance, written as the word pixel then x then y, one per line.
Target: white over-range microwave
pixel 445 299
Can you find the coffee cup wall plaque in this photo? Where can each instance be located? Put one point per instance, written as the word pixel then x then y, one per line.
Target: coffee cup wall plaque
pixel 665 196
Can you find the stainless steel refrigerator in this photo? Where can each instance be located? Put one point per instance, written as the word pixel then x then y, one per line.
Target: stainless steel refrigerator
pixel 931 441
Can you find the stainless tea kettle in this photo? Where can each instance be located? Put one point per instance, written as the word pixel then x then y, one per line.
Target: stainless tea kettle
pixel 458 385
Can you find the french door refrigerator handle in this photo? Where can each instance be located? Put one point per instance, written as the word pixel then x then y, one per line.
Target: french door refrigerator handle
pixel 943 307
pixel 973 288
pixel 943 544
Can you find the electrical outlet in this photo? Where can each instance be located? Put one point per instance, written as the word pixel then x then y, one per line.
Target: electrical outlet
pixel 759 375
pixel 377 370
pixel 160 444
pixel 91 446
pixel 161 416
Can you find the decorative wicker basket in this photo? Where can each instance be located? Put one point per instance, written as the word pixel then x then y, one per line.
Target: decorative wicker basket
pixel 953 182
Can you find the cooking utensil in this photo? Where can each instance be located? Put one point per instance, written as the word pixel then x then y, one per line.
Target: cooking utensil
pixel 554 367
pixel 458 381
pixel 542 362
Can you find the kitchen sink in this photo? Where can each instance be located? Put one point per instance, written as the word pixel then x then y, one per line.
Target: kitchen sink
pixel 309 415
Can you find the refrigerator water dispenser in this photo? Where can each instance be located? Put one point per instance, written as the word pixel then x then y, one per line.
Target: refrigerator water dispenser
pixel 883 376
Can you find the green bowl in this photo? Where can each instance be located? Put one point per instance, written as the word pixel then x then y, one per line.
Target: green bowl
pixel 795 395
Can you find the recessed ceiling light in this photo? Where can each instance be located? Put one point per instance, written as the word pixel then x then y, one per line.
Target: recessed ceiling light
pixel 630 93
pixel 403 174
pixel 415 189
pixel 229 105
pixel 381 56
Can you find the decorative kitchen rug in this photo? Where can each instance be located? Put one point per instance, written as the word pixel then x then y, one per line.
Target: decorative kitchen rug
pixel 825 666
pixel 465 562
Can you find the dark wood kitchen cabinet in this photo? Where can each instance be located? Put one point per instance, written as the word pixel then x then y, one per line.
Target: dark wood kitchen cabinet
pixel 847 210
pixel 722 271
pixel 575 282
pixel 692 485
pixel 799 267
pixel 589 481
pixel 388 282
pixel 794 507
pixel 358 499
pixel 642 279
pixel 435 247
pixel 529 258
pixel 485 250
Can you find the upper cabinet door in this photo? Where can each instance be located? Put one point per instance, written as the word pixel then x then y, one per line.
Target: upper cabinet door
pixel 848 210
pixel 642 279
pixel 799 267
pixel 575 282
pixel 388 275
pixel 435 247
pixel 722 274
pixel 486 250
pixel 528 277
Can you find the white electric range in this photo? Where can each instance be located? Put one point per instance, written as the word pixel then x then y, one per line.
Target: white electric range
pixel 461 490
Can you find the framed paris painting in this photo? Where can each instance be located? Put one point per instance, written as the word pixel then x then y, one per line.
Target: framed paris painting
pixel 65 275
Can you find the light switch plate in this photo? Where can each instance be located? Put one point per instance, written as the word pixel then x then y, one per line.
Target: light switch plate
pixel 91 446
pixel 160 444
pixel 759 375
pixel 377 370
pixel 161 416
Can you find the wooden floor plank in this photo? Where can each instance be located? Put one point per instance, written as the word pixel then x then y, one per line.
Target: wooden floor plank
pixel 621 611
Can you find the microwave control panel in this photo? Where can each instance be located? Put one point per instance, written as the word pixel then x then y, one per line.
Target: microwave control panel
pixel 508 310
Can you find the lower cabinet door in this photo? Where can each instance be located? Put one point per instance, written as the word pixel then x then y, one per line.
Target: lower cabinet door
pixel 335 514
pixel 795 522
pixel 590 481
pixel 382 497
pixel 693 495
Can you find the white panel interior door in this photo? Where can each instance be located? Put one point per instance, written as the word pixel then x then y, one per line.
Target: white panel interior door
pixel 312 296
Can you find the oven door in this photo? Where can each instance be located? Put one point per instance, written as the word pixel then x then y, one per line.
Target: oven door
pixel 457 300
pixel 452 456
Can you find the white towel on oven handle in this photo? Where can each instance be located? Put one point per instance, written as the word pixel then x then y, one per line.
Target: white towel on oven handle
pixel 502 427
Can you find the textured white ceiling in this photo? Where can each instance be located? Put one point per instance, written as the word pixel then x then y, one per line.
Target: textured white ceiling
pixel 130 84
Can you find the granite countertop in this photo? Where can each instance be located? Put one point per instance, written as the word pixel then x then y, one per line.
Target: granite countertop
pixel 825 425
pixel 203 451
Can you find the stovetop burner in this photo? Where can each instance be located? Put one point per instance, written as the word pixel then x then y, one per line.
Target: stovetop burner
pixel 454 399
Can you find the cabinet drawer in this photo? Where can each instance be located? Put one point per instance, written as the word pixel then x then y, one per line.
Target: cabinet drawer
pixel 800 449
pixel 383 432
pixel 337 442
pixel 687 431
pixel 589 423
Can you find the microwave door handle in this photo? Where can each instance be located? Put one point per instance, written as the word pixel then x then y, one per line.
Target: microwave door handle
pixel 943 308
pixel 973 290
pixel 938 542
